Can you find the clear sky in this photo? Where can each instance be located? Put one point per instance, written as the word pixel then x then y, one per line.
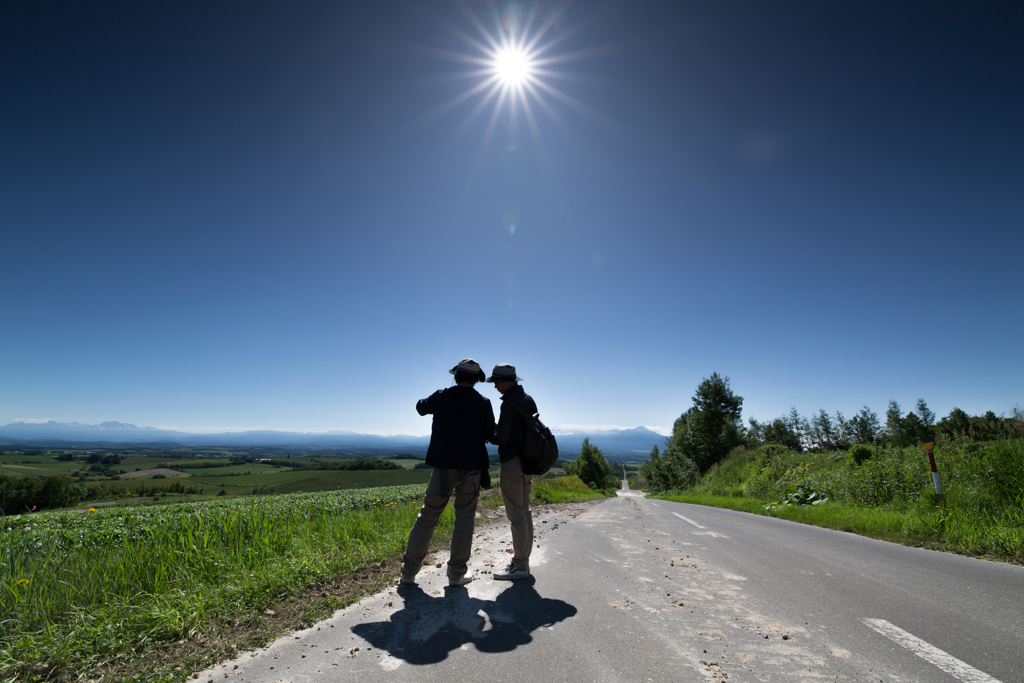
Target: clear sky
pixel 299 216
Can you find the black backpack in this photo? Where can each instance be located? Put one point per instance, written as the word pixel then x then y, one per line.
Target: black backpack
pixel 540 451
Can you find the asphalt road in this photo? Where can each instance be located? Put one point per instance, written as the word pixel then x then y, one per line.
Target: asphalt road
pixel 638 590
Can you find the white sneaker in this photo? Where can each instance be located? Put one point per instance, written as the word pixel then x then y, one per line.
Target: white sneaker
pixel 408 580
pixel 460 580
pixel 512 574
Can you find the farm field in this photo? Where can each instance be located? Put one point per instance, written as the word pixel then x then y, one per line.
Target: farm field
pixel 43 469
pixel 406 462
pixel 228 469
pixel 206 476
pixel 281 482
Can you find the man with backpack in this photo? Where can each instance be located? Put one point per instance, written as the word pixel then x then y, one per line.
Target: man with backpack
pixel 463 423
pixel 516 485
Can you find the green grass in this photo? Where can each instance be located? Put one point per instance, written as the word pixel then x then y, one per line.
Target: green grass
pixel 563 490
pixel 102 592
pixel 556 490
pixel 890 496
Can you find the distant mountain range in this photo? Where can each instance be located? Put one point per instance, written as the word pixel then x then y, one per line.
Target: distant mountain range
pixel 613 442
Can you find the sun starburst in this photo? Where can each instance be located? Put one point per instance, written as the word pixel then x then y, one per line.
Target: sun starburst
pixel 513 69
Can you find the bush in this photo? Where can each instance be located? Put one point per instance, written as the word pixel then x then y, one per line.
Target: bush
pixel 860 452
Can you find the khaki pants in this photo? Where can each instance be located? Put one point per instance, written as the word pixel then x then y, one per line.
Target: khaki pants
pixel 515 489
pixel 466 493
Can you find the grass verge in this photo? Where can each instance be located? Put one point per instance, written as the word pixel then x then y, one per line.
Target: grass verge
pixel 564 490
pixel 938 526
pixel 151 594
pixel 546 491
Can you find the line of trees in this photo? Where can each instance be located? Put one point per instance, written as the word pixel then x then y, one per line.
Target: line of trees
pixel 19 495
pixel 707 431
pixel 824 432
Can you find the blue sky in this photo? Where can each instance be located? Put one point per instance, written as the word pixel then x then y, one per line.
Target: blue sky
pixel 255 215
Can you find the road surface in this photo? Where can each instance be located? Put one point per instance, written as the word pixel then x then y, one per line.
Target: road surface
pixel 639 590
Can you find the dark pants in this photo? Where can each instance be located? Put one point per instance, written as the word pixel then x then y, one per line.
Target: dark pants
pixel 466 493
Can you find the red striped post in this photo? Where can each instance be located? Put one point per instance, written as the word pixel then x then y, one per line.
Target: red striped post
pixel 935 471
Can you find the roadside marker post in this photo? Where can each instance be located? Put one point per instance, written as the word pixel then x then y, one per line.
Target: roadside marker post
pixel 935 472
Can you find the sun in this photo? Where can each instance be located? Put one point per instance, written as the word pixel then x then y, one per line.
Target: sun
pixel 512 66
pixel 513 70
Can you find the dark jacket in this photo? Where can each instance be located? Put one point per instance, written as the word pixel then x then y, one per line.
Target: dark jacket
pixel 511 433
pixel 463 421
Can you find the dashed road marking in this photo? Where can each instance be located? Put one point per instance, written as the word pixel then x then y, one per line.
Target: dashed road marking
pixel 960 670
pixel 687 519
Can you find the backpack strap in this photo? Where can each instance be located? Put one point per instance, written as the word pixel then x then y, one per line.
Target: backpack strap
pixel 521 410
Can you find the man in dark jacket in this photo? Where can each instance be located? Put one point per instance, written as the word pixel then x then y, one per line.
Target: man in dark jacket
pixel 463 423
pixel 515 486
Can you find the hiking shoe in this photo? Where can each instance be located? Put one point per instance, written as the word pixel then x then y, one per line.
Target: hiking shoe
pixel 408 580
pixel 460 580
pixel 512 574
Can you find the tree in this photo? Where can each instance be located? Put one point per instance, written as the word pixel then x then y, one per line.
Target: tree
pixel 590 466
pixel 914 430
pixel 654 471
pixel 799 427
pixel 864 426
pixel 843 432
pixel 780 431
pixel 822 430
pixel 705 434
pixel 927 417
pixel 894 422
pixel 959 420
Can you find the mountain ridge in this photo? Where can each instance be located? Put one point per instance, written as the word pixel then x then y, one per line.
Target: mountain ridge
pixel 613 442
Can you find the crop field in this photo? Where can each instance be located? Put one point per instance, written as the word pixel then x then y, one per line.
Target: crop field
pixel 42 469
pixel 97 593
pixel 405 462
pixel 12 458
pixel 250 480
pixel 131 483
pixel 229 469
pixel 319 480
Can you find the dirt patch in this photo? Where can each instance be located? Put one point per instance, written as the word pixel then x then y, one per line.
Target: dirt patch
pixel 159 470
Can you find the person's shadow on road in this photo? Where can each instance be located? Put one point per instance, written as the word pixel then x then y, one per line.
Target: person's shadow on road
pixel 426 629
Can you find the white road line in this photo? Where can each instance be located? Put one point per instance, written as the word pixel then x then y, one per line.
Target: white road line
pixel 687 519
pixel 954 667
